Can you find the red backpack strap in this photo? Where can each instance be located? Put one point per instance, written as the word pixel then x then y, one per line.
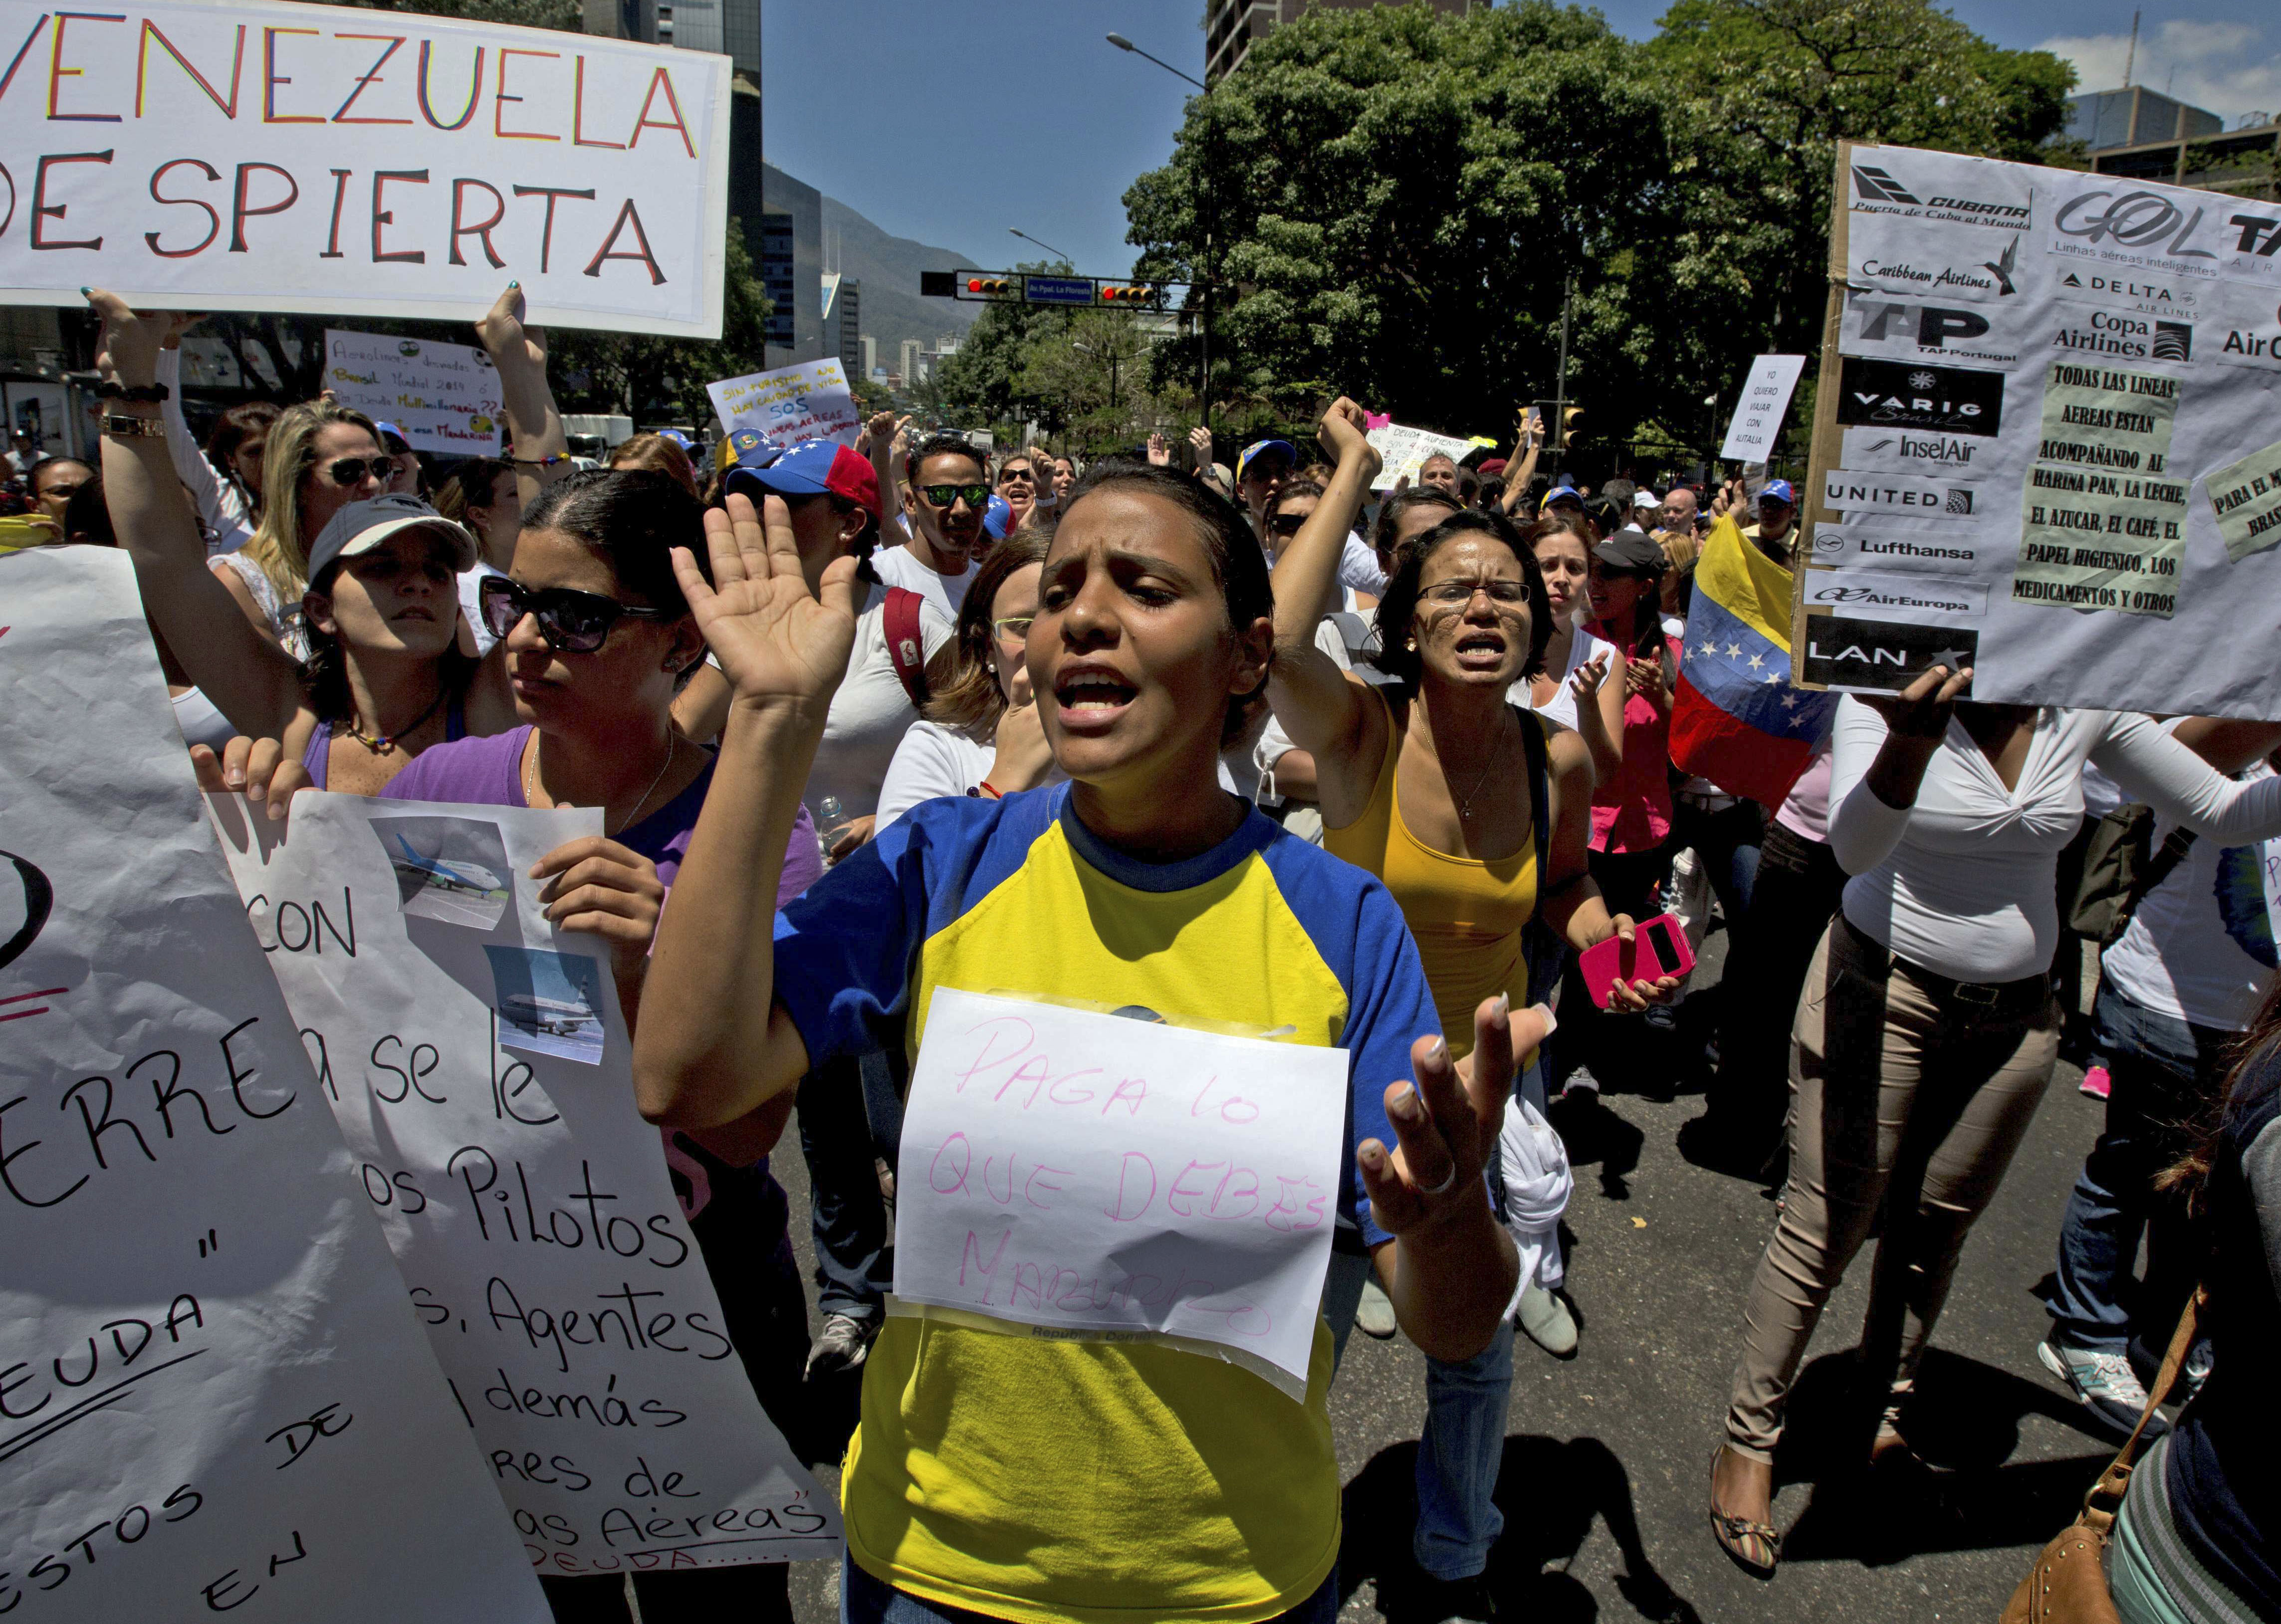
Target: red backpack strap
pixel 905 646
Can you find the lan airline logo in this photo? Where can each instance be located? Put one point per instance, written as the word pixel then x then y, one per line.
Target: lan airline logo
pixel 1876 186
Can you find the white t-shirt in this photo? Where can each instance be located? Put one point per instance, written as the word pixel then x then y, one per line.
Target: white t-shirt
pixel 935 760
pixel 1348 637
pixel 1963 882
pixel 900 566
pixel 870 713
pixel 471 586
pixel 1583 648
pixel 2184 954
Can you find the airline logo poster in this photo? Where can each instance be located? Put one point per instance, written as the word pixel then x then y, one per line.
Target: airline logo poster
pixel 2057 395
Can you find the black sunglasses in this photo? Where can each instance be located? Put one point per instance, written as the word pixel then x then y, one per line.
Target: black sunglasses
pixel 351 470
pixel 943 496
pixel 1287 524
pixel 573 622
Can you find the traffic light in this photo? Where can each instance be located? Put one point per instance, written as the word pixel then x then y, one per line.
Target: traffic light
pixel 1126 293
pixel 1568 427
pixel 992 287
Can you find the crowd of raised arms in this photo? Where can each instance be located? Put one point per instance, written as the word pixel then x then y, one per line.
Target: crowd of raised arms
pixel 1269 744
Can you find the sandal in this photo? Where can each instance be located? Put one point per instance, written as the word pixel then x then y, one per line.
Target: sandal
pixel 1754 1547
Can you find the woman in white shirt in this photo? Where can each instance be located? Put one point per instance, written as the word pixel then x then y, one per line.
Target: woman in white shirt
pixel 980 735
pixel 1927 1031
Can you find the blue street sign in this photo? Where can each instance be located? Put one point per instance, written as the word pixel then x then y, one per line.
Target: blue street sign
pixel 1058 290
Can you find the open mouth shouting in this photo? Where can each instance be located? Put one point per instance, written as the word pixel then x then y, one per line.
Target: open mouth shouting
pixel 1479 649
pixel 1090 695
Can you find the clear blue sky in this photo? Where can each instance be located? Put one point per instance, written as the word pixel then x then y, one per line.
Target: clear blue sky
pixel 952 123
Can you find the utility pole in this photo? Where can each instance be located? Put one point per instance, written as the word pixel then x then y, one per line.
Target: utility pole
pixel 2131 59
pixel 1560 387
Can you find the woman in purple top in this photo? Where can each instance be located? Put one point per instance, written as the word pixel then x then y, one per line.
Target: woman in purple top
pixel 597 639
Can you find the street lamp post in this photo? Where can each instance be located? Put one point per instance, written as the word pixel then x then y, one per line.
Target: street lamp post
pixel 1203 391
pixel 1049 247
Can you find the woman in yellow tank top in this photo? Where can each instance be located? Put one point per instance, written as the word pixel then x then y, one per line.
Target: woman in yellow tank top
pixel 1429 785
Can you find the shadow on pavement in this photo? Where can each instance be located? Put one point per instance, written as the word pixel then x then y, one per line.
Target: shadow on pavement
pixel 1541 1528
pixel 1958 1494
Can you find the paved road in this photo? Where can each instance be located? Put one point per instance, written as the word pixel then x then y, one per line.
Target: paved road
pixel 1606 1455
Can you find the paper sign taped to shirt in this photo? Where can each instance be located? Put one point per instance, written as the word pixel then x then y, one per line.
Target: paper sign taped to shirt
pixel 478 1065
pixel 446 397
pixel 1403 451
pixel 788 404
pixel 1095 1176
pixel 216 1396
pixel 1758 421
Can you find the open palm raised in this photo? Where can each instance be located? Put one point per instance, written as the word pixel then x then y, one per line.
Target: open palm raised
pixel 778 644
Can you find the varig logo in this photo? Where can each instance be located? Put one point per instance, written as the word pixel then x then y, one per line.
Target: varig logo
pixel 1952 399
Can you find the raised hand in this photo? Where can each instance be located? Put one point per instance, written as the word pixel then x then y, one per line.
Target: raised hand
pixel 1585 681
pixel 778 644
pixel 127 353
pixel 1160 452
pixel 1200 442
pixel 506 339
pixel 1446 1123
pixel 1345 433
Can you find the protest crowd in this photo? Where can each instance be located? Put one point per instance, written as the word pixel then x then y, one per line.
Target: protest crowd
pixel 1248 739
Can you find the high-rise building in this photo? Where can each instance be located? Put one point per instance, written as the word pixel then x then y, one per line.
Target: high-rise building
pixel 843 316
pixel 1231 26
pixel 870 348
pixel 908 362
pixel 731 27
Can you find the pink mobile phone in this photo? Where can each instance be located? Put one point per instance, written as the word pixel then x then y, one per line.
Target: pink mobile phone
pixel 1658 948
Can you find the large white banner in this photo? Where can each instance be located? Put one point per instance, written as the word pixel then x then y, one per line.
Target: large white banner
pixel 266 156
pixel 1097 1178
pixel 213 1396
pixel 479 1067
pixel 2057 399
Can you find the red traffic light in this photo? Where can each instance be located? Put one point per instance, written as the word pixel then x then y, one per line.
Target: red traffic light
pixel 1126 295
pixel 973 284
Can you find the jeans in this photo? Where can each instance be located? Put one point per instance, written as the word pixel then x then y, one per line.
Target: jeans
pixel 864 1600
pixel 1726 842
pixel 2161 1069
pixel 847 1217
pixel 1793 893
pixel 1458 1457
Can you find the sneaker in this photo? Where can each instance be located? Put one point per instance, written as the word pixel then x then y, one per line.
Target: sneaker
pixel 1663 1017
pixel 1374 1315
pixel 1454 1601
pixel 2104 1381
pixel 2096 1083
pixel 844 1345
pixel 1580 1082
pixel 1545 1320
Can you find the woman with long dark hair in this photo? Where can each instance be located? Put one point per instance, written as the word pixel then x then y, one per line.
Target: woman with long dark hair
pixel 1152 637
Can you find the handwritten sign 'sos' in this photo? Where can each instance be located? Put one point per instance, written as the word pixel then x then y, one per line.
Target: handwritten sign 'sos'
pixel 788 404
pixel 1094 1175
pixel 271 157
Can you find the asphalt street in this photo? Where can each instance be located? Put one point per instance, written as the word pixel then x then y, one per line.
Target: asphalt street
pixel 1607 1454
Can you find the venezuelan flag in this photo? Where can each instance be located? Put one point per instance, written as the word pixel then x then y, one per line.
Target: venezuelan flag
pixel 1735 720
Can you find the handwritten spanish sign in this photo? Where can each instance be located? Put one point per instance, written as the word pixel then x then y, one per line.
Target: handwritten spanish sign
pixel 214 1395
pixel 1403 451
pixel 446 397
pixel 1095 1177
pixel 788 404
pixel 1757 420
pixel 480 1073
pixel 257 156
pixel 2048 397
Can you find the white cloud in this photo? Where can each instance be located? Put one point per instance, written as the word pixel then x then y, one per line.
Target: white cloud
pixel 2228 67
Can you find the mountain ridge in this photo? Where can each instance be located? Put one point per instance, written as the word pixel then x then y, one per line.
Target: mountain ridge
pixel 888 268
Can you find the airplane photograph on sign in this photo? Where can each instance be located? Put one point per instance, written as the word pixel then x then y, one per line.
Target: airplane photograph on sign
pixel 549 1002
pixel 453 870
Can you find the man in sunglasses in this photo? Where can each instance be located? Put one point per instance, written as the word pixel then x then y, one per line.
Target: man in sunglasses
pixel 950 496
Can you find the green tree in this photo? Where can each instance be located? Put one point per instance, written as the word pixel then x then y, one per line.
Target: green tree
pixel 1090 372
pixel 980 386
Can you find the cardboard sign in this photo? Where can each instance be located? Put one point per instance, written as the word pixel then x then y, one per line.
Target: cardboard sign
pixel 479 1068
pixel 2046 398
pixel 216 1396
pixel 1403 451
pixel 1757 420
pixel 446 397
pixel 263 156
pixel 1092 1176
pixel 788 404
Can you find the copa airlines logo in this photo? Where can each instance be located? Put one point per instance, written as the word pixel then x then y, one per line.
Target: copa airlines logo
pixel 2124 335
pixel 1877 190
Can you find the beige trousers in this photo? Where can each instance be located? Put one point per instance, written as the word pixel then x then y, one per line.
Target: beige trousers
pixel 1901 1097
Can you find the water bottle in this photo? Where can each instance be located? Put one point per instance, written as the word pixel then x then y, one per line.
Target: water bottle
pixel 832 821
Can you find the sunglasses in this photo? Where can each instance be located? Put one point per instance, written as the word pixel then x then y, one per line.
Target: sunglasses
pixel 353 470
pixel 1005 474
pixel 573 622
pixel 1013 629
pixel 943 496
pixel 1461 592
pixel 1287 524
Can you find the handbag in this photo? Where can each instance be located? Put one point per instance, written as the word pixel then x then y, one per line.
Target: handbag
pixel 2068 1584
pixel 2120 867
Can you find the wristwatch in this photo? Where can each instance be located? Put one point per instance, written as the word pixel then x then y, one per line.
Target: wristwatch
pixel 129 428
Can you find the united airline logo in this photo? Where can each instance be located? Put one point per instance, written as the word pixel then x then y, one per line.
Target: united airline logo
pixel 1879 187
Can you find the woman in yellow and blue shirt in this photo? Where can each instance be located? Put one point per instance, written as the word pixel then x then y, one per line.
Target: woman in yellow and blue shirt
pixel 1031 1479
